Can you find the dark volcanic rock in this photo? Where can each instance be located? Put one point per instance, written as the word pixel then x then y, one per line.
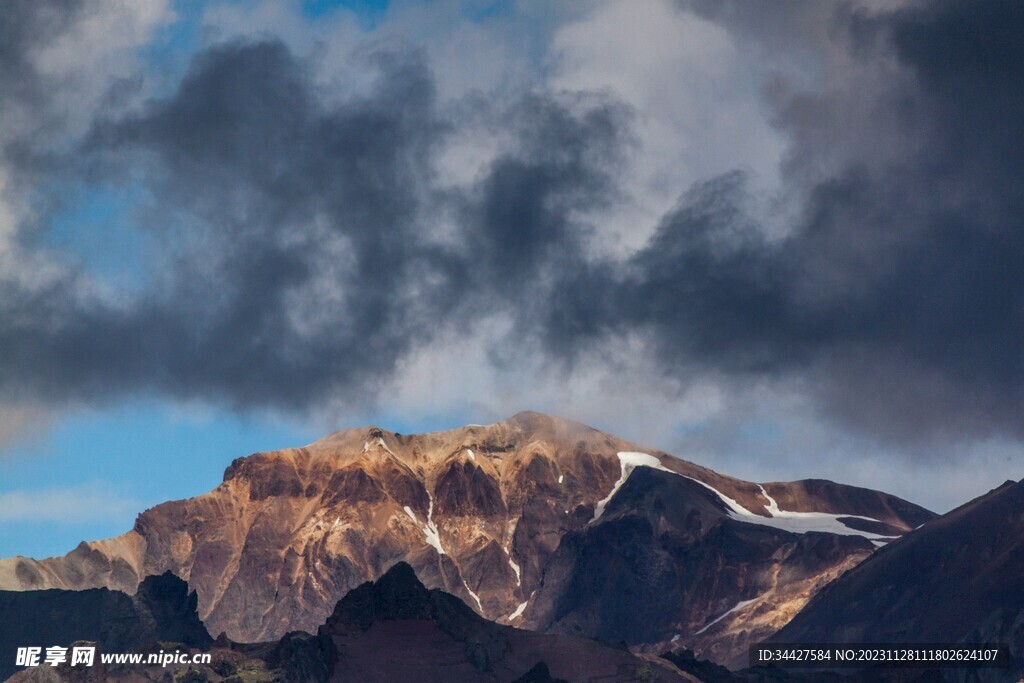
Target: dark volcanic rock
pixel 666 559
pixel 395 596
pixel 168 610
pixel 395 630
pixel 539 674
pixel 959 578
pixel 162 610
pixel 705 671
pixel 301 658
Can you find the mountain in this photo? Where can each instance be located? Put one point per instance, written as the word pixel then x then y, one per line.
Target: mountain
pixel 666 542
pixel 393 629
pixel 959 578
pixel 444 640
pixel 162 609
pixel 533 521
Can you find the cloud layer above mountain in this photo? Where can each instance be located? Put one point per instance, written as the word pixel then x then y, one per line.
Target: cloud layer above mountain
pixel 700 215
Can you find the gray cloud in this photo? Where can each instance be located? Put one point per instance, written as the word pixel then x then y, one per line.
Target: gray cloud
pixel 302 264
pixel 304 258
pixel 898 295
pixel 26 26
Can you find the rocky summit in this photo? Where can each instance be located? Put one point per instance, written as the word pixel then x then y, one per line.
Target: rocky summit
pixel 534 521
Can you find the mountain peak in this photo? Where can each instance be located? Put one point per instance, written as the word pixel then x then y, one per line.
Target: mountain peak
pixel 493 515
pixel 401 580
pixel 542 425
pixel 534 417
pixel 431 635
pixel 397 595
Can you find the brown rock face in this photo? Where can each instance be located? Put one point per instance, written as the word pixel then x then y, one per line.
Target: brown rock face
pixel 959 578
pixel 665 565
pixel 502 516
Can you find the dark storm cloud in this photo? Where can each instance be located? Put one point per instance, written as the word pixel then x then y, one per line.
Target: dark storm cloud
pixel 299 233
pixel 26 25
pixel 899 295
pixel 306 257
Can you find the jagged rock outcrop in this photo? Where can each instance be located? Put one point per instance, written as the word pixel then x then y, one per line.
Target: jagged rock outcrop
pixel 509 517
pixel 395 629
pixel 162 609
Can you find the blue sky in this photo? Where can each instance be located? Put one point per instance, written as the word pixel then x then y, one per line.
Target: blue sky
pixel 118 462
pixel 232 226
pixel 107 463
pixel 85 471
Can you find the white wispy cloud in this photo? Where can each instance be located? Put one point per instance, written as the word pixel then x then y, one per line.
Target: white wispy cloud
pixel 89 502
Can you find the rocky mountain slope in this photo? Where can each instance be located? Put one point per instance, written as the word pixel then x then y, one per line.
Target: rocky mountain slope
pixel 444 640
pixel 960 578
pixel 664 542
pixel 393 629
pixel 533 521
pixel 162 609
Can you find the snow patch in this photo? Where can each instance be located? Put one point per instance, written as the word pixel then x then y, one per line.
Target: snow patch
pixel 519 611
pixel 793 522
pixel 471 455
pixel 510 530
pixel 380 442
pixel 479 607
pixel 412 515
pixel 739 605
pixel 515 567
pixel 366 446
pixel 802 522
pixel 560 478
pixel 628 461
pixel 430 529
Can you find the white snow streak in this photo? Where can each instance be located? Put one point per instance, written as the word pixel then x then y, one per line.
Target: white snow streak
pixel 510 530
pixel 739 605
pixel 471 456
pixel 519 611
pixel 793 522
pixel 802 522
pixel 628 461
pixel 430 530
pixel 515 567
pixel 474 596
pixel 560 478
